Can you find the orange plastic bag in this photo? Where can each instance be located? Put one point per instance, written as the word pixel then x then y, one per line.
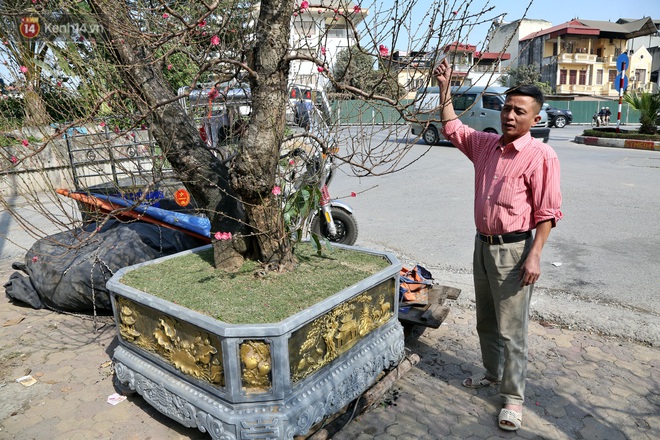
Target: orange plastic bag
pixel 414 285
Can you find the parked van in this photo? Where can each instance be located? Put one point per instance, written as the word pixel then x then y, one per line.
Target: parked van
pixel 477 106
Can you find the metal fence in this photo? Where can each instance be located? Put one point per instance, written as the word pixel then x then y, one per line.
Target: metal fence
pixel 360 112
pixel 583 111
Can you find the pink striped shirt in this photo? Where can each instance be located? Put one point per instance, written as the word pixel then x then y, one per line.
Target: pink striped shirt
pixel 516 186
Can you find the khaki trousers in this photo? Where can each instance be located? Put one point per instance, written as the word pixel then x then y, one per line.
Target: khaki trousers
pixel 503 314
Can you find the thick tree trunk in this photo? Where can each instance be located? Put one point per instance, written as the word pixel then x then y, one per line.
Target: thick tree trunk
pixel 263 234
pixel 254 171
pixel 36 113
pixel 174 130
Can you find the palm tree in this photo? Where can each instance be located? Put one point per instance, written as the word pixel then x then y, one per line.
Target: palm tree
pixel 648 105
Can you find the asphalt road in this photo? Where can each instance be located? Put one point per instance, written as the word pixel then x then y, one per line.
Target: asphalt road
pixel 601 265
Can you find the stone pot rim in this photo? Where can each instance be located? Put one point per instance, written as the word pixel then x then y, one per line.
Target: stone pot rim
pixel 224 329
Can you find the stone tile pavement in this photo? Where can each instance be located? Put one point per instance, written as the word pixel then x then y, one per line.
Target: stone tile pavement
pixel 581 386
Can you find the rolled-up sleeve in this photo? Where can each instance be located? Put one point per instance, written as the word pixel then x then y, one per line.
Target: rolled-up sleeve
pixel 546 192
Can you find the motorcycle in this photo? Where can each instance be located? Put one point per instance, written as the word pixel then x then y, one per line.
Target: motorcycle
pixel 307 164
pixel 306 172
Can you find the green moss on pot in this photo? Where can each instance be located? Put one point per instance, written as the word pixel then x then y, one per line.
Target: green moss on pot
pixel 250 296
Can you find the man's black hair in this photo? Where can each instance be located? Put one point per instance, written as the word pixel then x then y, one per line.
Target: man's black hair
pixel 528 90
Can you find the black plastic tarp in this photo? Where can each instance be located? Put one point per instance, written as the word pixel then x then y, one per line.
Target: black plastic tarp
pixel 68 271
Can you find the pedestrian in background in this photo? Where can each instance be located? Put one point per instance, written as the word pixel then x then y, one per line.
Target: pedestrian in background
pixel 516 191
pixel 601 115
pixel 608 114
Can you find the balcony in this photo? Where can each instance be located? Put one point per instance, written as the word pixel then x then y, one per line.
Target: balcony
pixel 578 58
pixel 607 61
pixel 575 88
pixel 638 86
pixel 486 68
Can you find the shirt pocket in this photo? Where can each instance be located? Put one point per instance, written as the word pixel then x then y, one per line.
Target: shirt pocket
pixel 511 193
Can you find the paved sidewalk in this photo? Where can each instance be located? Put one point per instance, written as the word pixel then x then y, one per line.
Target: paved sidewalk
pixel 581 386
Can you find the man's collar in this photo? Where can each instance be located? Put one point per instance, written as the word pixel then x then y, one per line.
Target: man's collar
pixel 519 143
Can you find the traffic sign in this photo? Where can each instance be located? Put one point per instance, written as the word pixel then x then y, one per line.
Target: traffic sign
pixel 617 82
pixel 620 61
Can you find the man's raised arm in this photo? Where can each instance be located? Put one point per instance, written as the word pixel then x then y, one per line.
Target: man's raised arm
pixel 443 74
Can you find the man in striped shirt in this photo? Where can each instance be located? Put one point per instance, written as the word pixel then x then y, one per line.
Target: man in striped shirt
pixel 516 191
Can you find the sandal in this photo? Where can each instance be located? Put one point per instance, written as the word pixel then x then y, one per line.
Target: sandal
pixel 479 381
pixel 513 418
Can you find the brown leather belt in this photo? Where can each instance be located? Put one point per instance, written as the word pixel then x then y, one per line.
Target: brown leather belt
pixel 513 237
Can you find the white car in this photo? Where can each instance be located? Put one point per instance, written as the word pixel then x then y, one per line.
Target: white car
pixel 477 106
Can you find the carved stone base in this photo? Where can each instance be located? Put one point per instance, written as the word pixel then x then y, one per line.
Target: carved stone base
pixel 321 395
pixel 266 381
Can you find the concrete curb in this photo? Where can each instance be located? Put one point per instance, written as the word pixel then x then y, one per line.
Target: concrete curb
pixel 618 143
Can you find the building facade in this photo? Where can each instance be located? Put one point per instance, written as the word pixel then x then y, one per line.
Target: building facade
pixel 579 57
pixel 505 37
pixel 321 31
pixel 470 67
pixel 651 43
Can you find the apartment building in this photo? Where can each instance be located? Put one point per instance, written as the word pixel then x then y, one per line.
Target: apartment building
pixel 470 67
pixel 579 57
pixel 651 43
pixel 321 30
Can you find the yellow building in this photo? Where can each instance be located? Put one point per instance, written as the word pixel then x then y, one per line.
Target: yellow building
pixel 579 57
pixel 469 67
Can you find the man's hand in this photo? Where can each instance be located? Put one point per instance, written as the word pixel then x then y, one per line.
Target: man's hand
pixel 531 270
pixel 443 75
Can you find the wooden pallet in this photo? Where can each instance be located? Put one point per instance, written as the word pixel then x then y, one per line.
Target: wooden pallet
pixel 431 314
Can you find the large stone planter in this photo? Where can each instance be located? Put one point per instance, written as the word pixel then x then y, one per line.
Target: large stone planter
pixel 266 381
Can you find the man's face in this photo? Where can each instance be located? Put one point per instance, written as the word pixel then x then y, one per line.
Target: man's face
pixel 519 114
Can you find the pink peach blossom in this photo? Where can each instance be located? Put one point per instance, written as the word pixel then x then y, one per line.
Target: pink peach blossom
pixel 222 235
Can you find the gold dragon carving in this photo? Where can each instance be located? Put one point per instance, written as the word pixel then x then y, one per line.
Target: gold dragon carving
pixel 186 347
pixel 324 339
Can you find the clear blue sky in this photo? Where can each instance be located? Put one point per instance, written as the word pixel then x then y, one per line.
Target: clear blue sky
pixel 554 11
